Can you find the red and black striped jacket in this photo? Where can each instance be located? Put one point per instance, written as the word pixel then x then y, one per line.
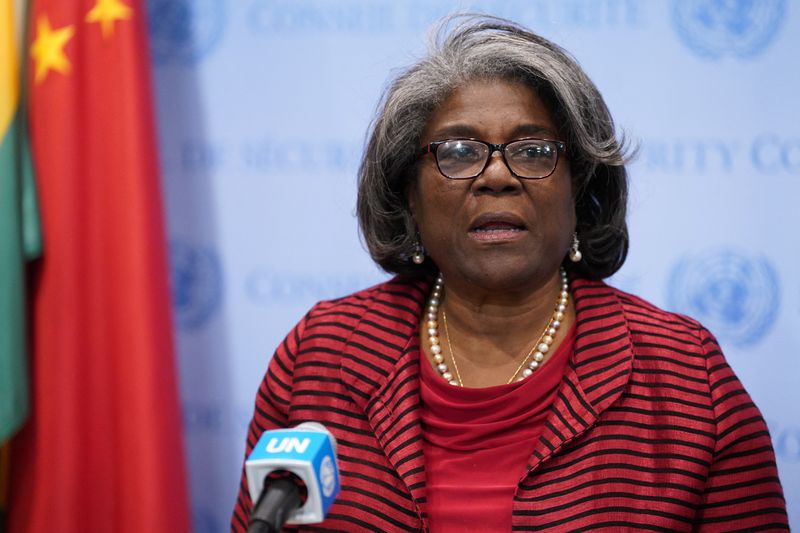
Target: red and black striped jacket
pixel 650 430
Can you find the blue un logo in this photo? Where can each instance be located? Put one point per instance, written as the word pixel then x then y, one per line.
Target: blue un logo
pixel 716 28
pixel 196 284
pixel 737 297
pixel 184 31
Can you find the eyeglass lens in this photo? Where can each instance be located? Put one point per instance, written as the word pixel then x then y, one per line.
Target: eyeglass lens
pixel 527 158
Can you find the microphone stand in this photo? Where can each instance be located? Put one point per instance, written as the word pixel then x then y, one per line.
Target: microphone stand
pixel 278 499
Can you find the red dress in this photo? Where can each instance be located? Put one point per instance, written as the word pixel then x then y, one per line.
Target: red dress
pixel 478 441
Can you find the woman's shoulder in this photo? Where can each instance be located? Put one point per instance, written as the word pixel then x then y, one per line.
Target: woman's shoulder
pixel 623 336
pixel 660 341
pixel 395 295
pixel 642 313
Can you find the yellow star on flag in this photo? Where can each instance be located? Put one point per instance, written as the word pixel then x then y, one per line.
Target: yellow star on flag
pixel 106 12
pixel 48 48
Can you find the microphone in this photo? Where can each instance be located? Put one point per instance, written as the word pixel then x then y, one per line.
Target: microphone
pixel 285 462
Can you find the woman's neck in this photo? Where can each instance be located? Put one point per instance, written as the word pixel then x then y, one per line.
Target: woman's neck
pixel 490 333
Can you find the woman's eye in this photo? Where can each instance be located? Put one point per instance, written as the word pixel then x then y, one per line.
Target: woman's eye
pixel 532 151
pixel 463 151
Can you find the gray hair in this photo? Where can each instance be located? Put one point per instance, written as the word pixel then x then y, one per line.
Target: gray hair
pixel 470 47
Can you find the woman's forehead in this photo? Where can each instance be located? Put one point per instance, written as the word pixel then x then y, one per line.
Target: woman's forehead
pixel 508 109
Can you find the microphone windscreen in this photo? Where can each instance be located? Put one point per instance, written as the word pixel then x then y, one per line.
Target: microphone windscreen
pixel 307 452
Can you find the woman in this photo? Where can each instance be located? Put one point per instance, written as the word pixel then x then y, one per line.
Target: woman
pixel 497 382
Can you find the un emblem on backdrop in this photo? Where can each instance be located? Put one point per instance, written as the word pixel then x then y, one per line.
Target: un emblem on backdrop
pixel 184 31
pixel 737 297
pixel 716 28
pixel 196 284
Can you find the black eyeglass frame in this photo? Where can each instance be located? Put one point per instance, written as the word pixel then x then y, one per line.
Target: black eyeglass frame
pixel 432 147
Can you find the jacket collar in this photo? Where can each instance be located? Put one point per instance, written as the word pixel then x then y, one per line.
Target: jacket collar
pixel 387 387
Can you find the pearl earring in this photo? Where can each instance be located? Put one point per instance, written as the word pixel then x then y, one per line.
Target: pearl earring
pixel 575 254
pixel 418 257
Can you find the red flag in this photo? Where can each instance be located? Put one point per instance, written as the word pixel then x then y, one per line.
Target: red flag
pixel 103 449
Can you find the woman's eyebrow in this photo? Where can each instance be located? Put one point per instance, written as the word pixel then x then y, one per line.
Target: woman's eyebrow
pixel 454 131
pixel 532 130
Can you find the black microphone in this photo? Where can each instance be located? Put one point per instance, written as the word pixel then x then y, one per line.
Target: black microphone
pixel 279 498
pixel 293 477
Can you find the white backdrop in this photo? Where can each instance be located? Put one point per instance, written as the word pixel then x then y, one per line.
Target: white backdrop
pixel 263 108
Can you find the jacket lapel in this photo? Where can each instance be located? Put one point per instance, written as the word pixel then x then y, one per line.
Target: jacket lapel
pixel 380 367
pixel 597 373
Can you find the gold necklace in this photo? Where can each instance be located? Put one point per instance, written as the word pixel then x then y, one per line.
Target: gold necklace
pixel 450 347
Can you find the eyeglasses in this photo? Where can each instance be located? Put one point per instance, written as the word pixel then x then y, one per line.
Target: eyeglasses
pixel 463 159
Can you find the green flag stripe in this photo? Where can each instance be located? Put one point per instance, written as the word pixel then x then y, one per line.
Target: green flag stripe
pixel 14 402
pixel 31 226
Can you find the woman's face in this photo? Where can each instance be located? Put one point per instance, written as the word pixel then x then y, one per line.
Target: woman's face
pixel 494 232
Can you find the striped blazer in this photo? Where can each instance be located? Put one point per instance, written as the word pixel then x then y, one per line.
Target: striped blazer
pixel 650 429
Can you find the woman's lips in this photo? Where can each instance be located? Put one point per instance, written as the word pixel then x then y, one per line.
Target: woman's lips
pixel 503 229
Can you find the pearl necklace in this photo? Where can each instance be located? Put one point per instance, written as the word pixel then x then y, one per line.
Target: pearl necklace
pixel 535 355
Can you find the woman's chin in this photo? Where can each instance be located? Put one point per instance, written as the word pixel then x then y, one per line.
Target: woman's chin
pixel 507 276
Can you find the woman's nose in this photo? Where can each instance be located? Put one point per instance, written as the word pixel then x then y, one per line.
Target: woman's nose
pixel 497 176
